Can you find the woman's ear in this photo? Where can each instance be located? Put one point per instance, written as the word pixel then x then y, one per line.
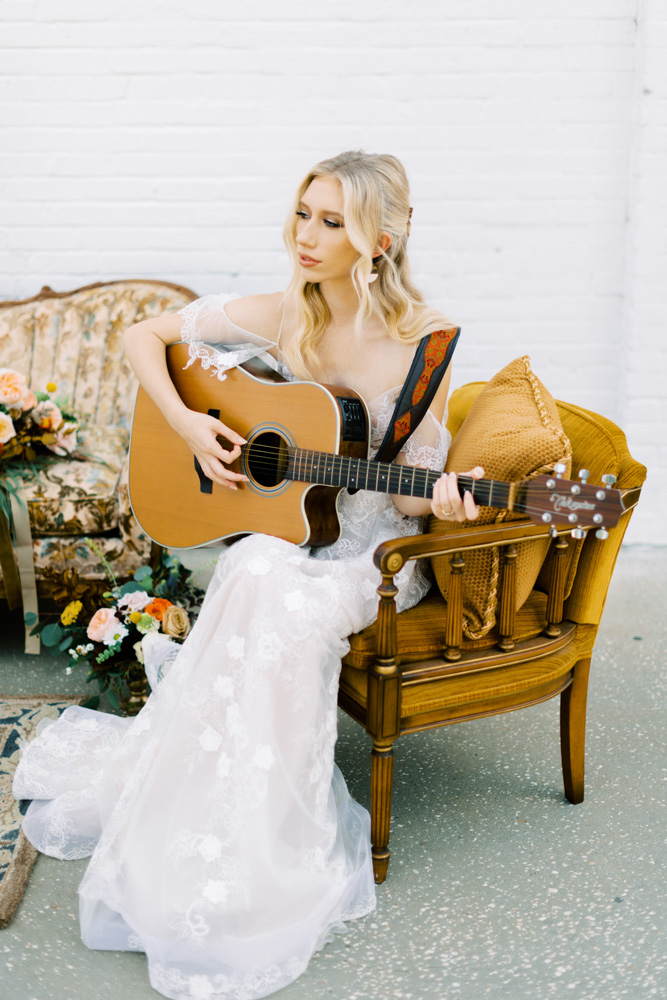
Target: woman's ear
pixel 384 242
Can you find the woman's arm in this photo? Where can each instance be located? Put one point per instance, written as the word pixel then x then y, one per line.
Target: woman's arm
pixel 447 501
pixel 145 348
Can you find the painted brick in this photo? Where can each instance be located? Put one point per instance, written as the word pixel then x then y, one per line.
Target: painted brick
pixel 166 140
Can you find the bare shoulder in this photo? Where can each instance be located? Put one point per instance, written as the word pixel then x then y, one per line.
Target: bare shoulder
pixel 258 314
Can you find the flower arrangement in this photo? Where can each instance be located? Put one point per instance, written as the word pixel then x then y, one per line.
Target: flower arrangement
pixel 33 428
pixel 32 422
pixel 163 598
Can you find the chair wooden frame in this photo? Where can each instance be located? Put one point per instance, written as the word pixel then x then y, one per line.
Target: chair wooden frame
pixel 383 697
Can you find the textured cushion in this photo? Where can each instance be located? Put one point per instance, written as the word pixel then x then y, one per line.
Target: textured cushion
pixel 420 631
pixel 79 495
pixel 74 340
pixel 514 431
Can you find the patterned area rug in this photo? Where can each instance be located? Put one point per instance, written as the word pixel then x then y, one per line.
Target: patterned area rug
pixel 19 716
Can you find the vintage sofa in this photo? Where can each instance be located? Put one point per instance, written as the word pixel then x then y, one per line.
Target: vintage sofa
pixel 75 340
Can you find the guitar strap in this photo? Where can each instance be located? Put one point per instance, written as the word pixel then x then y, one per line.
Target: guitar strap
pixel 426 373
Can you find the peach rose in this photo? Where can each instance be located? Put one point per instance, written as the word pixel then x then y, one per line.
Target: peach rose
pixel 13 386
pixel 157 607
pixel 47 416
pixel 175 622
pixel 102 621
pixel 7 429
pixel 29 401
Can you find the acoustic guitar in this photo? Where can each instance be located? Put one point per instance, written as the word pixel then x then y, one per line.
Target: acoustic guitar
pixel 305 442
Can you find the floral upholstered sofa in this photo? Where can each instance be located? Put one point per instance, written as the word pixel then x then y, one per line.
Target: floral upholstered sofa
pixel 74 339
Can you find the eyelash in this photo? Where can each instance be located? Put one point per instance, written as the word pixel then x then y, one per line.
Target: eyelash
pixel 329 222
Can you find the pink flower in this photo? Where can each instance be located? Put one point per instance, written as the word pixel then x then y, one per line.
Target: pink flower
pixel 47 416
pixel 102 622
pixel 7 429
pixel 29 401
pixel 65 441
pixel 13 387
pixel 136 600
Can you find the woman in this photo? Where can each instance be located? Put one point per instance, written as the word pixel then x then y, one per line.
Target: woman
pixel 224 842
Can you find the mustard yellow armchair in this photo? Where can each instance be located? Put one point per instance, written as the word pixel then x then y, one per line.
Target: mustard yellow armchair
pixel 413 671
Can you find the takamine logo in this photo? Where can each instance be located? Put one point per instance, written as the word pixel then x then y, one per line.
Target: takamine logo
pixel 568 502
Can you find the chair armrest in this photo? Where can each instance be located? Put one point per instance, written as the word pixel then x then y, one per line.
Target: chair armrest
pixel 391 556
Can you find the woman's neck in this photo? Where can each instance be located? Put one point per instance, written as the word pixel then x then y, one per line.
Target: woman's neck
pixel 341 297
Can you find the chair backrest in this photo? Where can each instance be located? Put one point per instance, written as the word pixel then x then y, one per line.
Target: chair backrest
pixel 75 340
pixel 599 446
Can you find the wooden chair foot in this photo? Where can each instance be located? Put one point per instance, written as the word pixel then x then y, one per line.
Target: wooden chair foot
pixel 380 865
pixel 382 779
pixel 573 732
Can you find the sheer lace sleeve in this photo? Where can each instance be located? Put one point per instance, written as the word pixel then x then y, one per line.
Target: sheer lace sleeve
pixel 215 340
pixel 428 445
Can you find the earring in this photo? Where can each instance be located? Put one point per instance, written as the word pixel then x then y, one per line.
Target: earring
pixel 373 274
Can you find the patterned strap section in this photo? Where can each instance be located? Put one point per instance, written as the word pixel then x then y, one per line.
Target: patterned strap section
pixel 428 368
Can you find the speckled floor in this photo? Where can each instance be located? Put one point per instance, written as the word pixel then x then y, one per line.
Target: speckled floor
pixel 497 886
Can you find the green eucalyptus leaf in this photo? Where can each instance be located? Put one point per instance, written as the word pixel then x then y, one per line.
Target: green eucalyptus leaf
pixel 130 587
pixel 113 698
pixel 142 572
pixel 66 643
pixel 30 618
pixel 51 635
pixel 92 702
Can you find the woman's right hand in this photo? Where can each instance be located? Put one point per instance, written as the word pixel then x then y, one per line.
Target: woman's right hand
pixel 200 432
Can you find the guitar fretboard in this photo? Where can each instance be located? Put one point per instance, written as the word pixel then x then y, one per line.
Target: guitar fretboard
pixel 385 477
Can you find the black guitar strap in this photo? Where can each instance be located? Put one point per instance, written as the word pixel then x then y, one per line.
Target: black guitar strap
pixel 426 373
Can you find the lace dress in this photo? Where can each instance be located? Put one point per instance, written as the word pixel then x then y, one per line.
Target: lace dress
pixel 223 841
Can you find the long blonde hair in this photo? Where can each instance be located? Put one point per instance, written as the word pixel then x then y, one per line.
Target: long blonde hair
pixel 376 199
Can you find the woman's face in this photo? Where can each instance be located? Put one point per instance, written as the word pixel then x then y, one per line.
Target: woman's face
pixel 320 232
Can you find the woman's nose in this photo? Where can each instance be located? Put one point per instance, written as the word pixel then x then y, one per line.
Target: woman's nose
pixel 306 233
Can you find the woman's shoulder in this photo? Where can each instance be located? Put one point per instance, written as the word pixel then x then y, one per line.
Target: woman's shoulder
pixel 259 314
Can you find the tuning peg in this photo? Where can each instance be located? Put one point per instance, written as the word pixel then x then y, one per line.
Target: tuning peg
pixel 583 475
pixel 578 533
pixel 602 533
pixel 609 479
pixel 553 532
pixel 559 469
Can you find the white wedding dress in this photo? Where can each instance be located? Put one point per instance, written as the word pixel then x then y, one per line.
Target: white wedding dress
pixel 224 843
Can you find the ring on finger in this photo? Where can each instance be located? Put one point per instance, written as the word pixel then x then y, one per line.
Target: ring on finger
pixel 446 513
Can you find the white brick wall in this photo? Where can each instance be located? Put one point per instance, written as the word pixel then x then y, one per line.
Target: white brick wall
pixel 163 138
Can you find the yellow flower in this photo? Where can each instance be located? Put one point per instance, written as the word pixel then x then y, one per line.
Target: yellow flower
pixel 71 612
pixel 135 617
pixel 51 386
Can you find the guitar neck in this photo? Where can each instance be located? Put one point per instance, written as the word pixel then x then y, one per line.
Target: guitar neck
pixel 387 477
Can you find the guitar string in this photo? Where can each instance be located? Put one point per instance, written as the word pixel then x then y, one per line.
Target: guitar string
pixel 421 474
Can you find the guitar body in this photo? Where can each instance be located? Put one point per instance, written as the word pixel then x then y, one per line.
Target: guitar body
pixel 178 507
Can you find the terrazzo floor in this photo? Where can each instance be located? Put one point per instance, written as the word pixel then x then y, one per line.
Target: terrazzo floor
pixel 498 887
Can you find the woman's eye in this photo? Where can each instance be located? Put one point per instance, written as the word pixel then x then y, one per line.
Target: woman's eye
pixel 302 214
pixel 331 224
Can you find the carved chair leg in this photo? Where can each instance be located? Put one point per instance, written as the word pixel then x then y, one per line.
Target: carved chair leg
pixel 382 778
pixel 573 731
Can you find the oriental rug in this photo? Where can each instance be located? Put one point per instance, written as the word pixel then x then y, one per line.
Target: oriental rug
pixel 19 716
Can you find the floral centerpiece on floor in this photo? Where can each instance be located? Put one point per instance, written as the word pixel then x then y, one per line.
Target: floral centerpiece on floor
pixel 163 598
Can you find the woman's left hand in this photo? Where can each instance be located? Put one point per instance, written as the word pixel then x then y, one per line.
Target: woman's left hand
pixel 447 503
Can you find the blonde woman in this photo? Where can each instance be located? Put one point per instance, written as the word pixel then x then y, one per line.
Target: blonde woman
pixel 224 842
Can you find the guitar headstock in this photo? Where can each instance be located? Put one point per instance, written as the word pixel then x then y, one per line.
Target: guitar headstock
pixel 551 500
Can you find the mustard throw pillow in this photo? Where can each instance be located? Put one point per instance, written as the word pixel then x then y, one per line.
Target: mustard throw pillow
pixel 514 431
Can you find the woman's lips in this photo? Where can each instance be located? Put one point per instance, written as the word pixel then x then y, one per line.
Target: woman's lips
pixel 308 261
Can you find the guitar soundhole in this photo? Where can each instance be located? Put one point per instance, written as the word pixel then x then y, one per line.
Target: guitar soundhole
pixel 266 459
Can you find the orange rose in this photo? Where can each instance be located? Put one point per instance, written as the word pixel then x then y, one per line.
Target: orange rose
pixel 13 386
pixel 157 607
